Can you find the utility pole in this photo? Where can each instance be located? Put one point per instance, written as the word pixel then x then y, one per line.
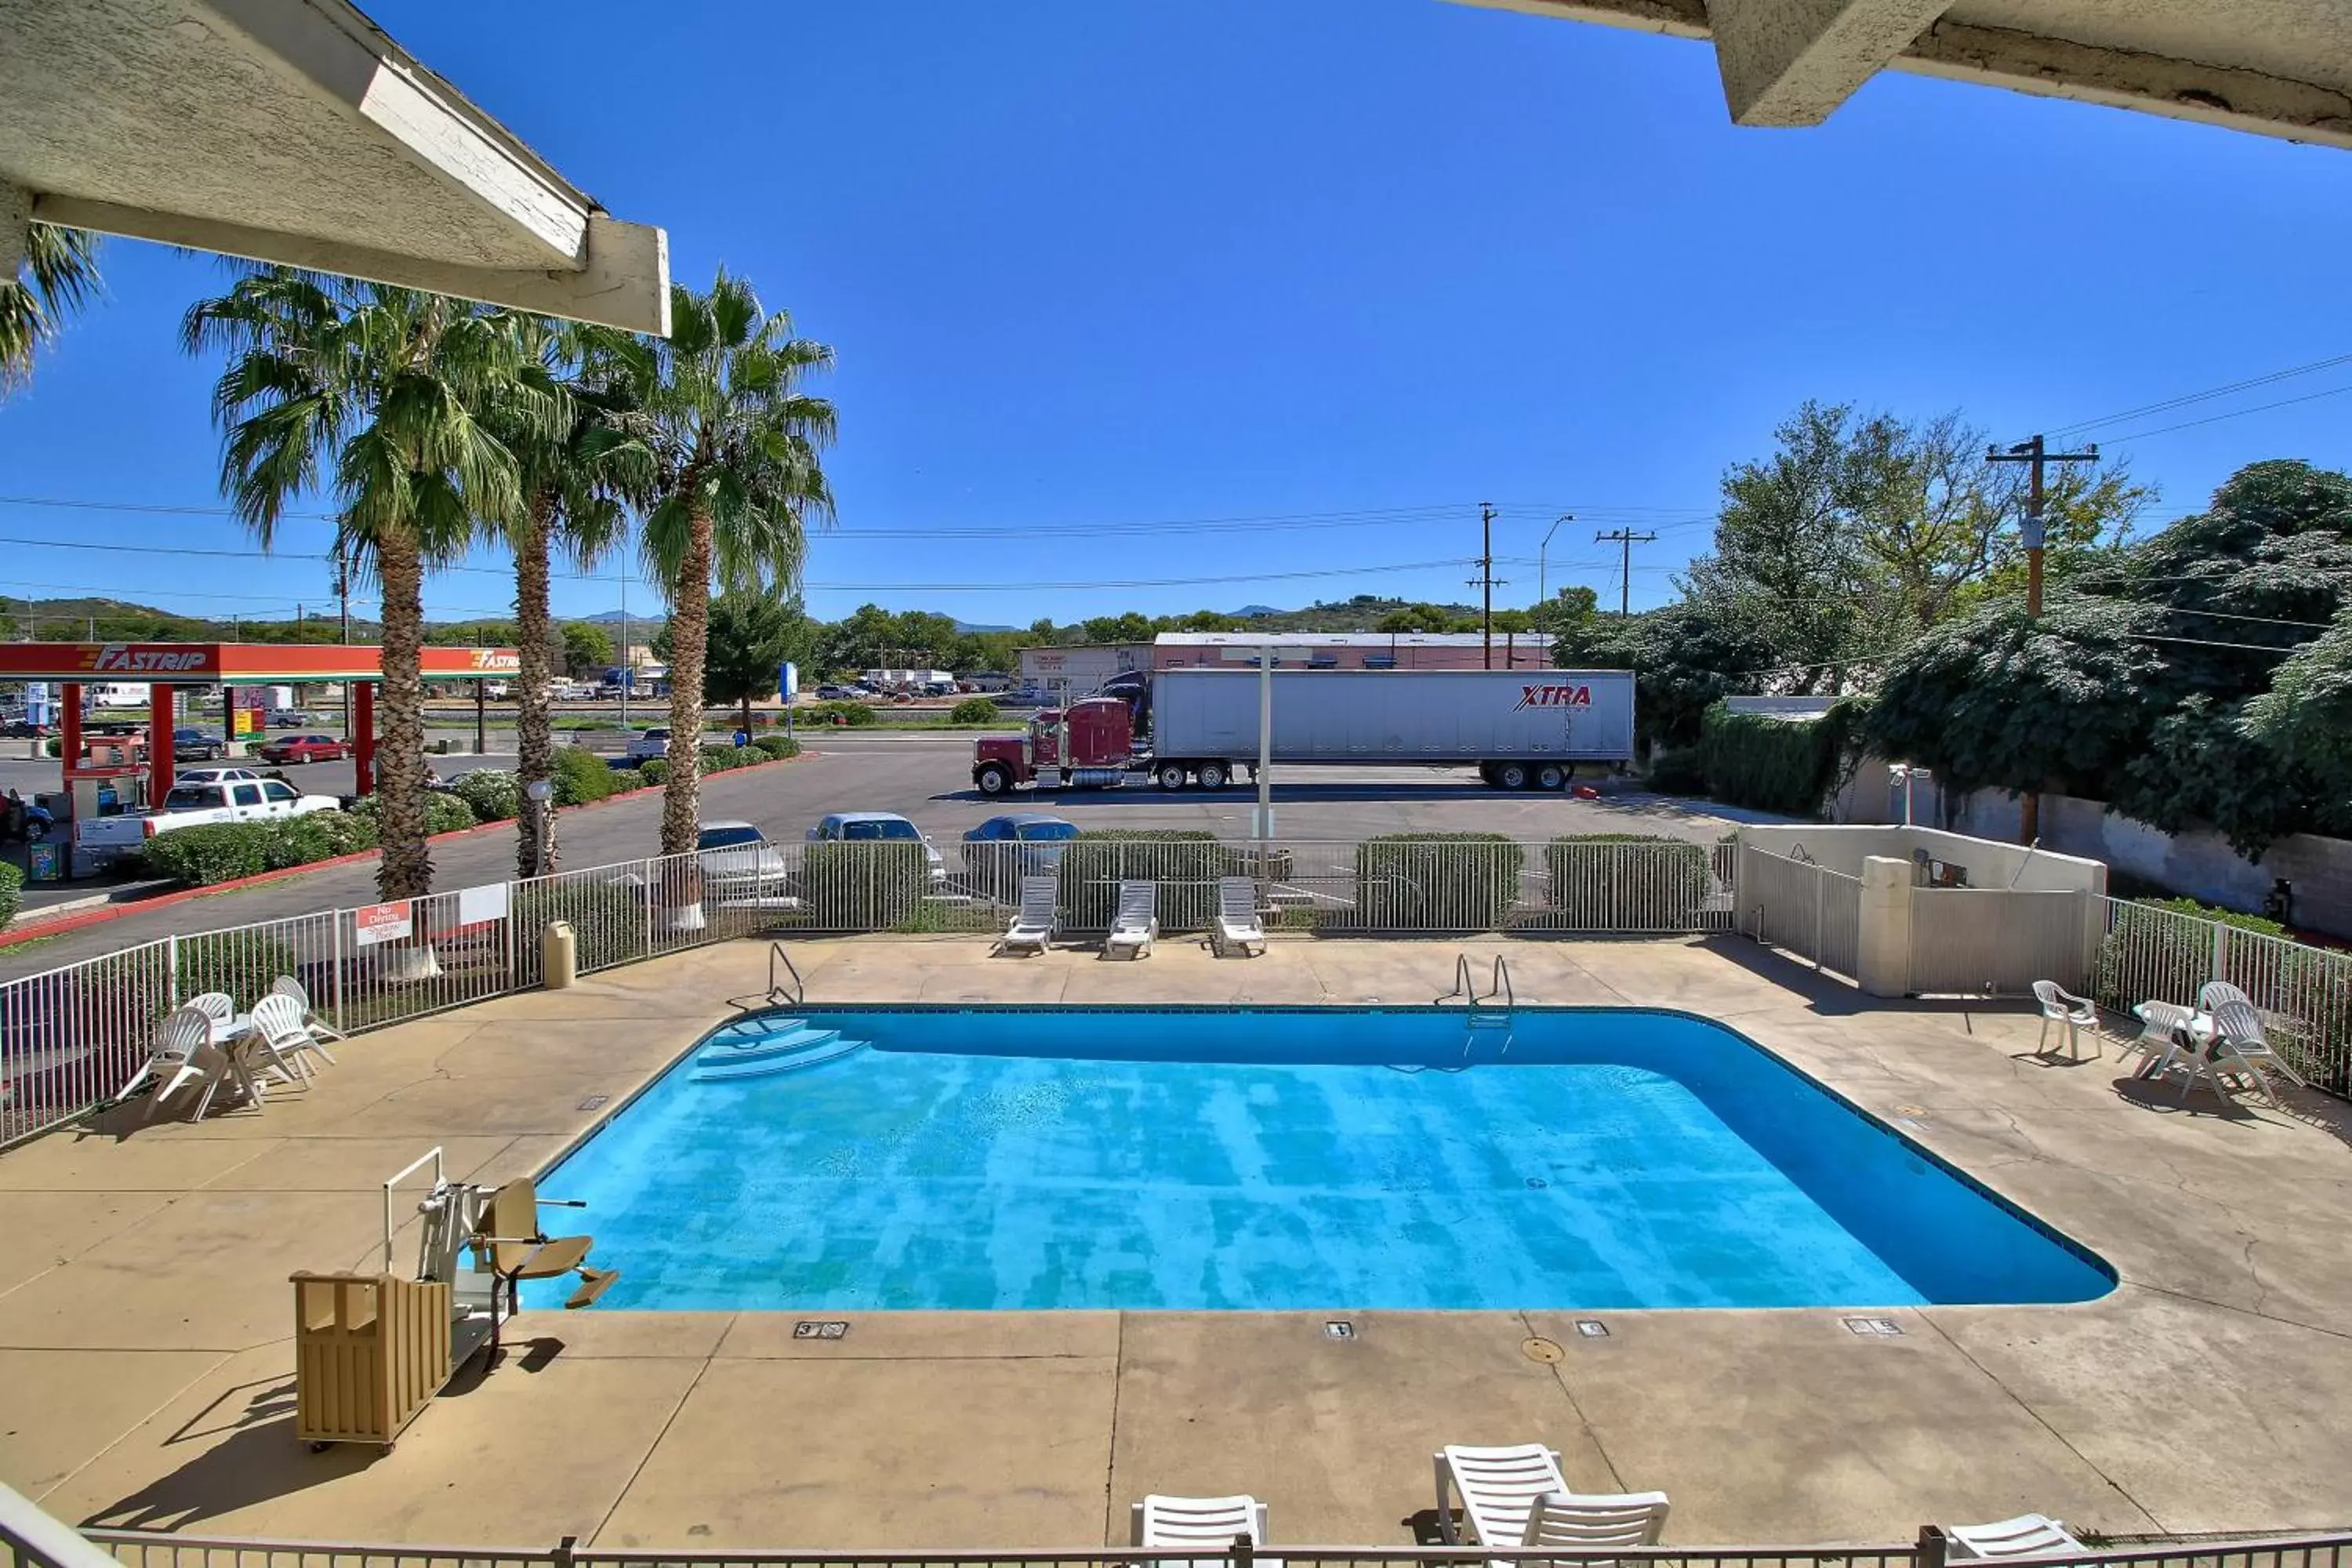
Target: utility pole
pixel 1624 538
pixel 2035 455
pixel 343 589
pixel 1486 581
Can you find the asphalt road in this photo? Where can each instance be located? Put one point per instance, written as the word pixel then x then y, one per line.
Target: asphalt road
pixel 928 779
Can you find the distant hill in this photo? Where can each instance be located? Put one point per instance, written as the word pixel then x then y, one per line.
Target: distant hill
pixel 973 629
pixel 1360 613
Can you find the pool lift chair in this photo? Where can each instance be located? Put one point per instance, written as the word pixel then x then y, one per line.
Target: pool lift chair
pixel 499 1229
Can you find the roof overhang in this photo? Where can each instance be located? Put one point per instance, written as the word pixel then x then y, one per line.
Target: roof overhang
pixel 237 664
pixel 296 132
pixel 2276 67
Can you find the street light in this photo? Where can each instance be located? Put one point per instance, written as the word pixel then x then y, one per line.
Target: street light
pixel 1908 774
pixel 540 792
pixel 1542 597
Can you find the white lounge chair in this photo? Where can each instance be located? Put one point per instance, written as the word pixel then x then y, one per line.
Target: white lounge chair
pixel 174 1054
pixel 1515 1496
pixel 2027 1535
pixel 2072 1013
pixel 1208 1522
pixel 2244 1030
pixel 1137 923
pixel 320 1030
pixel 1033 927
pixel 1582 1523
pixel 1238 925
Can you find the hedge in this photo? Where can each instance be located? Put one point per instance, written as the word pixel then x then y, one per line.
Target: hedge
pixel 224 851
pixel 653 770
pixel 1678 770
pixel 444 811
pixel 972 710
pixel 1661 889
pixel 1184 862
pixel 495 794
pixel 867 884
pixel 776 747
pixel 12 890
pixel 853 714
pixel 608 917
pixel 581 776
pixel 1436 881
pixel 1773 765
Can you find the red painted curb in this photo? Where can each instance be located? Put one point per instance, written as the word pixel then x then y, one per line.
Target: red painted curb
pixel 40 929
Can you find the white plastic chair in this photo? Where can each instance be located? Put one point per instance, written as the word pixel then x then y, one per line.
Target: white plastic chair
pixel 180 1038
pixel 320 1030
pixel 2072 1013
pixel 1137 923
pixel 2244 1027
pixel 279 1034
pixel 2027 1535
pixel 1033 927
pixel 2213 993
pixel 1588 1523
pixel 217 1005
pixel 2238 1041
pixel 1208 1522
pixel 1238 924
pixel 1498 1488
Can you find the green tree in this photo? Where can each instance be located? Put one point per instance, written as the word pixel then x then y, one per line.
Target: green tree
pixel 381 395
pixel 2307 715
pixel 752 635
pixel 586 647
pixel 57 276
pixel 733 447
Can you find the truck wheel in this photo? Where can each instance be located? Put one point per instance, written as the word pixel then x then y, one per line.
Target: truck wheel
pixel 1212 775
pixel 1172 775
pixel 1552 776
pixel 995 778
pixel 1510 775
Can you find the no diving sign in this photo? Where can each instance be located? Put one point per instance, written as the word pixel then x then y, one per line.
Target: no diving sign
pixel 374 924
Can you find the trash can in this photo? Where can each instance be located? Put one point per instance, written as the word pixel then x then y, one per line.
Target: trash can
pixel 559 955
pixel 45 861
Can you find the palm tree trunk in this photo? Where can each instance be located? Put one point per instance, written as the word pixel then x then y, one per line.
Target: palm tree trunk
pixel 407 870
pixel 534 719
pixel 689 639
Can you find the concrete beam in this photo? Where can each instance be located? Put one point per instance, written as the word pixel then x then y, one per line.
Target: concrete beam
pixel 623 283
pixel 15 223
pixel 1792 62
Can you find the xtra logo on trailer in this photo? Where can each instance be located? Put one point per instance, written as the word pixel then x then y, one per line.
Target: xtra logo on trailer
pixel 1560 696
pixel 122 658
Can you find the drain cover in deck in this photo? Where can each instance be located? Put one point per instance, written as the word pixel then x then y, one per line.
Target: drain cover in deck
pixel 1592 1328
pixel 1874 1328
pixel 1340 1329
pixel 821 1328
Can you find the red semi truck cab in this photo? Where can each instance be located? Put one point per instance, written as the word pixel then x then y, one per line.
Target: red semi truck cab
pixel 1089 744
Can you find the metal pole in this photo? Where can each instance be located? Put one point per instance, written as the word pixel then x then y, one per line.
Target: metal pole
pixel 1265 824
pixel 626 670
pixel 1486 580
pixel 2034 454
pixel 481 718
pixel 1543 595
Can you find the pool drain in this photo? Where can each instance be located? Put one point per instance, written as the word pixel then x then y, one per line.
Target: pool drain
pixel 1340 1329
pixel 1545 1351
pixel 821 1328
pixel 1874 1328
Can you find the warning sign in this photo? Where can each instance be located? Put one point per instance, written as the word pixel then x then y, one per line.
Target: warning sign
pixel 376 923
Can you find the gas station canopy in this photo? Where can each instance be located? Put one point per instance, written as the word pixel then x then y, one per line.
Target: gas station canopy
pixel 296 132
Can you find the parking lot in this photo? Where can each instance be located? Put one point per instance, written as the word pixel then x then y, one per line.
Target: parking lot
pixel 928 779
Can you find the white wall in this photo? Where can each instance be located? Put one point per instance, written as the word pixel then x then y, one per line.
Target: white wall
pixel 1989 864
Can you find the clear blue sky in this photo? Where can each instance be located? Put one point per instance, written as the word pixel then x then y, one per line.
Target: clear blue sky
pixel 1124 261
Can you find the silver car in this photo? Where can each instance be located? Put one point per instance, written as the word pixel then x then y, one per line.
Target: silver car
pixel 739 864
pixel 883 827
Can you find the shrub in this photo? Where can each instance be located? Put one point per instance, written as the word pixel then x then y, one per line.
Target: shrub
pixel 1660 886
pixel 653 770
pixel 1184 862
pixel 1678 771
pixel 853 714
pixel 320 835
pixel 581 776
pixel 495 794
pixel 608 917
pixel 54 746
pixel 749 756
pixel 1772 764
pixel 240 962
pixel 12 890
pixel 444 813
pixel 775 748
pixel 219 852
pixel 972 710
pixel 1436 881
pixel 869 885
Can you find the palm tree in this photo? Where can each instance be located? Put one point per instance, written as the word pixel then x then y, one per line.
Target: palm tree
pixel 58 277
pixel 733 447
pixel 576 479
pixel 379 395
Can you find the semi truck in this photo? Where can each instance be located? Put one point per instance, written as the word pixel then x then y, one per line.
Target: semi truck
pixel 1523 728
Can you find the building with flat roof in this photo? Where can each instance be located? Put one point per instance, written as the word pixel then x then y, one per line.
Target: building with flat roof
pixel 1355 650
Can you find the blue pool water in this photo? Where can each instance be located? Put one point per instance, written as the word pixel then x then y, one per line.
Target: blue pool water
pixel 1277 1158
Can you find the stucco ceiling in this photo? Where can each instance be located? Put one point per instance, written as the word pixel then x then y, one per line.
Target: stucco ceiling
pixel 295 130
pixel 2276 67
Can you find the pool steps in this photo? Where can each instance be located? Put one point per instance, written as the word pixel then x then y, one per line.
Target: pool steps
pixel 788 1045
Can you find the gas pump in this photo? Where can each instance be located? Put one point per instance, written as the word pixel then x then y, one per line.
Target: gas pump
pixel 110 778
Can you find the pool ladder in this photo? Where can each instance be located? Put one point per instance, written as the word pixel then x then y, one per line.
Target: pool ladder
pixel 783 984
pixel 1484 1020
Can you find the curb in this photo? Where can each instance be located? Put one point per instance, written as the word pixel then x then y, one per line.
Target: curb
pixel 37 929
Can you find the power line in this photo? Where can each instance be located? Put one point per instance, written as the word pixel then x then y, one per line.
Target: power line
pixel 2235 414
pixel 1625 539
pixel 2168 405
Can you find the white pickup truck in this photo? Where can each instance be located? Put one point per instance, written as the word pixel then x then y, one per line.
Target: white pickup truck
pixel 195 803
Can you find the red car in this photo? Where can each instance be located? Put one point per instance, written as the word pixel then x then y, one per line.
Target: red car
pixel 305 749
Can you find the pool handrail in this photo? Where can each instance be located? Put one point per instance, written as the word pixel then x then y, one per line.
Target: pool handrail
pixel 798 994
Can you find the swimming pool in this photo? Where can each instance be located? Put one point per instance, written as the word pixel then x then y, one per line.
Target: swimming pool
pixel 1277 1158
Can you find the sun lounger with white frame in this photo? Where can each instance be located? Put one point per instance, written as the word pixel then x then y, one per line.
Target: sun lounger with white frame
pixel 2027 1535
pixel 1033 926
pixel 1238 924
pixel 1211 1523
pixel 1137 923
pixel 1516 1497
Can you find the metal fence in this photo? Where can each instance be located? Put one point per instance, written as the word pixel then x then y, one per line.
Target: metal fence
pixel 1803 907
pixel 2303 993
pixel 142 1550
pixel 70 1039
pixel 1994 942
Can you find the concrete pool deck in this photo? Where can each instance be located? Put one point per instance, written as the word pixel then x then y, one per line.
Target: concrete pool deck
pixel 146 1364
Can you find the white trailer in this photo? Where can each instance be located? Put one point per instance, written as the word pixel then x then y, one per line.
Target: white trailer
pixel 1519 727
